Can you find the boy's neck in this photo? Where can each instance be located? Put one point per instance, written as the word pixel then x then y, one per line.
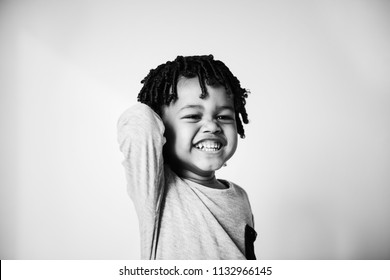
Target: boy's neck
pixel 207 181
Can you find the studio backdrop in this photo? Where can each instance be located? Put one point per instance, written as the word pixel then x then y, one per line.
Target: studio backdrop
pixel 315 161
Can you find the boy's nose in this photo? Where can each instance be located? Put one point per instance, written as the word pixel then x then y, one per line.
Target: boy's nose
pixel 211 126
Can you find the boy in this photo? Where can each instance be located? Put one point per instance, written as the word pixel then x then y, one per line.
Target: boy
pixel 182 132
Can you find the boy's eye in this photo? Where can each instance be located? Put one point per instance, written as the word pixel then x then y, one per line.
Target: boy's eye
pixel 192 117
pixel 225 118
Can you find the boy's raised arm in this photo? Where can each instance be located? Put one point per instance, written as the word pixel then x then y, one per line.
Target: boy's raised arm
pixel 141 140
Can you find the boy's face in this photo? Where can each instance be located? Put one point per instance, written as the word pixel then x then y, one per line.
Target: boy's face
pixel 201 133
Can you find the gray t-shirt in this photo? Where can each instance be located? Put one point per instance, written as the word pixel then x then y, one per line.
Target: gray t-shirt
pixel 179 219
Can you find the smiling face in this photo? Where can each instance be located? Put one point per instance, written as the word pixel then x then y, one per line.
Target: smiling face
pixel 201 133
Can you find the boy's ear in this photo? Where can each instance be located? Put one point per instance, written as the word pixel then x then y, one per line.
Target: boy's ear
pixel 163 110
pixel 164 113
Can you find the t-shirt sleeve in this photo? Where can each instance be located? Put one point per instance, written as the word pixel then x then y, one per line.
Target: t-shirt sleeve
pixel 141 140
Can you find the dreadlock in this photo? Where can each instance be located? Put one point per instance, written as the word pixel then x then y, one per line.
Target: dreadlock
pixel 160 85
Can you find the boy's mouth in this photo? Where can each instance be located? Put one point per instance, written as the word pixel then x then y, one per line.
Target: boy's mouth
pixel 209 146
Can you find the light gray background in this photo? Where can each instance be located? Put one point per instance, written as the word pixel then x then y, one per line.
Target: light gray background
pixel 316 159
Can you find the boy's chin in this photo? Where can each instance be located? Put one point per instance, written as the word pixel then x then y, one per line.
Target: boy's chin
pixel 208 169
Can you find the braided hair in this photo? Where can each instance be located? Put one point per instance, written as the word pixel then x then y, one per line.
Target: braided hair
pixel 160 85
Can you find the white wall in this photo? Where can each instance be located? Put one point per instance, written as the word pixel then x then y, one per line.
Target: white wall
pixel 316 159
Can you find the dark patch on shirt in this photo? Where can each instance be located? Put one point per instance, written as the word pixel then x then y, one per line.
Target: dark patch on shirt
pixel 250 237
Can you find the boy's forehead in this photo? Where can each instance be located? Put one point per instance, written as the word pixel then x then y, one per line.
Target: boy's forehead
pixel 190 87
pixel 188 83
pixel 189 92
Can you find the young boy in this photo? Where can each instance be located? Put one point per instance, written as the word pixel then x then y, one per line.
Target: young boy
pixel 184 129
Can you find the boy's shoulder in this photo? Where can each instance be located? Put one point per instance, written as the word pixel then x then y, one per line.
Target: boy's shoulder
pixel 238 189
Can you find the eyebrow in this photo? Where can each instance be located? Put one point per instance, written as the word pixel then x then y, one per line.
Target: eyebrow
pixel 191 107
pixel 227 107
pixel 220 108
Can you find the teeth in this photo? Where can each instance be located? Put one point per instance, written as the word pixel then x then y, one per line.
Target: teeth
pixel 208 146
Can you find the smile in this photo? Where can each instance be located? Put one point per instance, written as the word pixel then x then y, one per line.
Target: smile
pixel 209 146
